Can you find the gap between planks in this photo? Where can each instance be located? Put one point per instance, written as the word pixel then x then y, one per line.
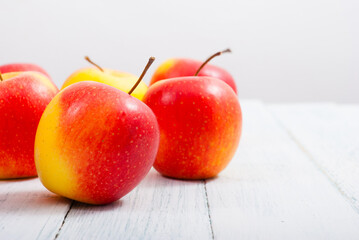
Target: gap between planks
pixel 63 221
pixel 208 208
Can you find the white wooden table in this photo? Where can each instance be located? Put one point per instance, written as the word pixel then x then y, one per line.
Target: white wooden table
pixel 295 176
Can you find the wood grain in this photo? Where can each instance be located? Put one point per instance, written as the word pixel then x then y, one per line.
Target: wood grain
pixel 329 134
pixel 159 208
pixel 272 190
pixel 29 211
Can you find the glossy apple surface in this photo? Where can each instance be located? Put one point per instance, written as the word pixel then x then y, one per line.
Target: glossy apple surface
pixel 120 80
pixel 181 67
pixel 200 124
pixel 95 143
pixel 23 98
pixel 22 67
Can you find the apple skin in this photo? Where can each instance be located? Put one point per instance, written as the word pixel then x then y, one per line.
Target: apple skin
pixel 120 80
pixel 23 67
pixel 200 122
pixel 181 67
pixel 95 143
pixel 23 98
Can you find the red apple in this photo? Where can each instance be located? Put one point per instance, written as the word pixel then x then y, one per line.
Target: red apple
pixel 23 67
pixel 200 124
pixel 182 67
pixel 23 98
pixel 95 143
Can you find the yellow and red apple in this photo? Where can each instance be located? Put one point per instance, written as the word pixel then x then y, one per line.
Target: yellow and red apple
pixel 182 67
pixel 23 98
pixel 200 123
pixel 120 80
pixel 95 143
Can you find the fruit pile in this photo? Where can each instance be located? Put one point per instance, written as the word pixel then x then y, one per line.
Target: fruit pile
pixel 97 138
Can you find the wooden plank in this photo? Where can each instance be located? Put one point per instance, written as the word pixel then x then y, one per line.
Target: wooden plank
pixel 272 190
pixel 329 133
pixel 159 208
pixel 29 211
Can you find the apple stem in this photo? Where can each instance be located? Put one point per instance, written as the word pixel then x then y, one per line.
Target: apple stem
pixel 1 79
pixel 210 58
pixel 150 61
pixel 89 60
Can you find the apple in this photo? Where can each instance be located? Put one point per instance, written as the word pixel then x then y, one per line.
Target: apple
pixel 120 80
pixel 23 67
pixel 95 143
pixel 182 67
pixel 23 98
pixel 200 123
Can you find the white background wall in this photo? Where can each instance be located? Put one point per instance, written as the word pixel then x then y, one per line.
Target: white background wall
pixel 283 50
